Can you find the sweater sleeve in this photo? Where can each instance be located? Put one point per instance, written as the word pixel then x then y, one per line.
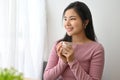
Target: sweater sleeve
pixel 55 66
pixel 96 66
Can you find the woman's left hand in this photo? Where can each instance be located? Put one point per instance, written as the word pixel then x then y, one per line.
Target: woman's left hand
pixel 68 53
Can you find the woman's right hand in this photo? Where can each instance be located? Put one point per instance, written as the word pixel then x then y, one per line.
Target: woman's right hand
pixel 59 52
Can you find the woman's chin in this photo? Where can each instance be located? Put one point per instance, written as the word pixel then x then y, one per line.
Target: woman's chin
pixel 69 34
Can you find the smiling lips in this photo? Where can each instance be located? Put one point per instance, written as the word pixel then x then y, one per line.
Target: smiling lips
pixel 69 29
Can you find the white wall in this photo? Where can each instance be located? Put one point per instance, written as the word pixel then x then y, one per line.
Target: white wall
pixel 106 17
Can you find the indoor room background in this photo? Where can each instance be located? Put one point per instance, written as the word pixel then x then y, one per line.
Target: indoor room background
pixel 29 29
pixel 106 20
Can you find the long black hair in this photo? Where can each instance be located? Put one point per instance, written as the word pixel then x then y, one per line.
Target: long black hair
pixel 84 12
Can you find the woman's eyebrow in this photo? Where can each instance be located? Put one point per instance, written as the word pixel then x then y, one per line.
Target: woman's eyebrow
pixel 70 17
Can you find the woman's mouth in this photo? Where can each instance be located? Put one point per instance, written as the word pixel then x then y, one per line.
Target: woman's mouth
pixel 69 29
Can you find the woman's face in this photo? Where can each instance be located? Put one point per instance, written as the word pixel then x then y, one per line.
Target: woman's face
pixel 73 23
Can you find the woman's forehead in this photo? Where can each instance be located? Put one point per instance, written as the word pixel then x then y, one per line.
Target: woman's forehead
pixel 70 13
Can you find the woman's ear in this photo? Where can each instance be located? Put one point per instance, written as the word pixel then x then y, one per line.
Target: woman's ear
pixel 86 23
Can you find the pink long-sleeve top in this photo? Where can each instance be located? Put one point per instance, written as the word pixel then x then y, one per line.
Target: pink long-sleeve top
pixel 87 65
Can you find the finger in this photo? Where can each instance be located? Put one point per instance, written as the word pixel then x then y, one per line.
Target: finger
pixel 64 54
pixel 68 52
pixel 59 46
pixel 67 49
pixel 70 47
pixel 60 52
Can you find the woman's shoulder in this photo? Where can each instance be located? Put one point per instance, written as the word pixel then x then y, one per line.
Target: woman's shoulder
pixel 92 45
pixel 97 45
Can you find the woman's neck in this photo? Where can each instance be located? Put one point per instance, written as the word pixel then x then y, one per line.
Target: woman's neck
pixel 80 39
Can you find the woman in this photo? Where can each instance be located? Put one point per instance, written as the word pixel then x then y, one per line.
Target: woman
pixel 84 60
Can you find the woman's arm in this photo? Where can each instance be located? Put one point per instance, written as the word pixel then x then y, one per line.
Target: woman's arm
pixel 96 66
pixel 55 66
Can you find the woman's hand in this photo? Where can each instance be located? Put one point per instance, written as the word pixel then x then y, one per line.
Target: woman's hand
pixel 59 52
pixel 68 52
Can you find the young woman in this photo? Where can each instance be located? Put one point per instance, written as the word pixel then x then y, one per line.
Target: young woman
pixel 84 60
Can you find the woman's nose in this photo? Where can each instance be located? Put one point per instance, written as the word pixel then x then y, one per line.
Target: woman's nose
pixel 68 23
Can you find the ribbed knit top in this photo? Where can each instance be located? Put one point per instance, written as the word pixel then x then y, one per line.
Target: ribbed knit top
pixel 87 65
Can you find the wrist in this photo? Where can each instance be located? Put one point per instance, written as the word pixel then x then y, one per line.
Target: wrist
pixel 63 62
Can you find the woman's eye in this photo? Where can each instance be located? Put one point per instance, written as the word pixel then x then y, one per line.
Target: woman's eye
pixel 73 19
pixel 65 19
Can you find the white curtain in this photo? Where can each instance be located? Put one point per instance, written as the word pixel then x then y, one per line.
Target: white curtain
pixel 23 35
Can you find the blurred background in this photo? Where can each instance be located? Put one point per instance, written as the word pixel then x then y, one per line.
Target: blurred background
pixel 29 28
